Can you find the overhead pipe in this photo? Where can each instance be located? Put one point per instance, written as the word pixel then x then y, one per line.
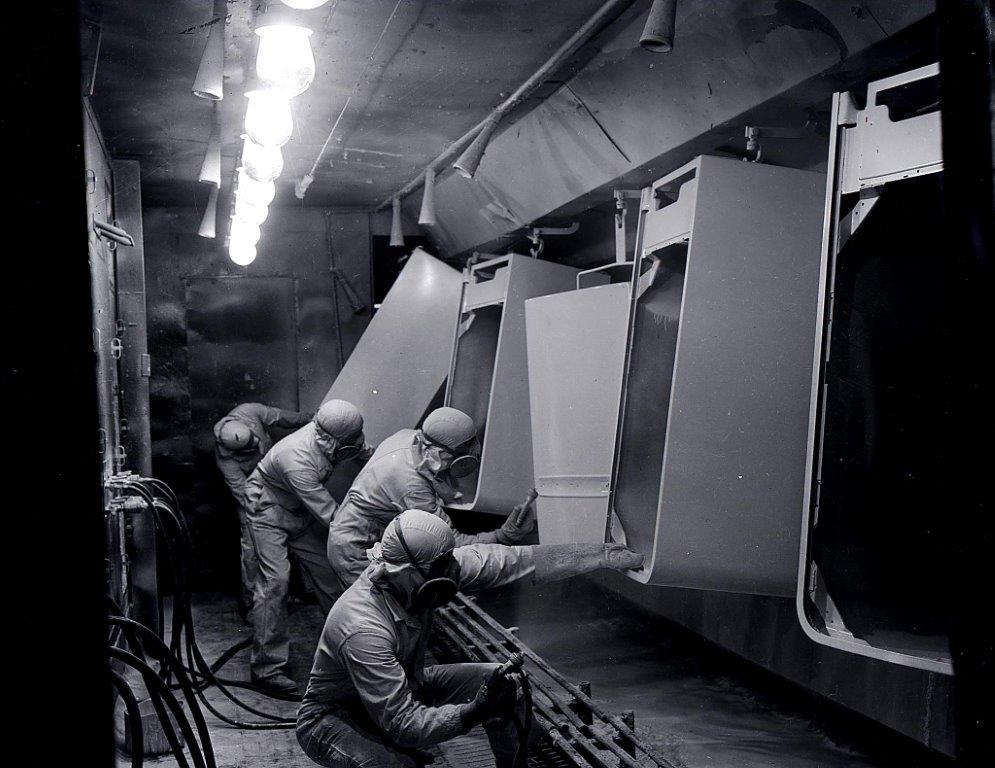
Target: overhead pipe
pixel 208 224
pixel 658 34
pixel 396 231
pixel 427 215
pixel 112 233
pixel 601 18
pixel 209 82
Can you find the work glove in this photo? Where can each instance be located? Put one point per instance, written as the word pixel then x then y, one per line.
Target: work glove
pixel 620 558
pixel 495 698
pixel 520 523
pixel 561 561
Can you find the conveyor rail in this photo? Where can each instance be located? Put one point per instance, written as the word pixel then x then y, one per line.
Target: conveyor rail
pixel 580 731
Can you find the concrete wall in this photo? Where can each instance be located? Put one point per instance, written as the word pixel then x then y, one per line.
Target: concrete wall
pixel 293 245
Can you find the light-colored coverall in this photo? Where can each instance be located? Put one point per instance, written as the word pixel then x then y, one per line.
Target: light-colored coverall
pixel 289 509
pixel 370 701
pixel 237 466
pixel 390 483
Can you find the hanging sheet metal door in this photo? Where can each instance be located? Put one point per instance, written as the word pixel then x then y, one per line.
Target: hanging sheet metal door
pixel 576 345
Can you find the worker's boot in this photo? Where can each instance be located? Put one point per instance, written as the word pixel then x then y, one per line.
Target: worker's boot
pixel 278 684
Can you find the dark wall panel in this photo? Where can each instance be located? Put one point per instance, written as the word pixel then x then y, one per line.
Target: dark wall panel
pixel 297 246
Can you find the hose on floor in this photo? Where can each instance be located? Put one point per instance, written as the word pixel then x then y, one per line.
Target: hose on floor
pixel 169 521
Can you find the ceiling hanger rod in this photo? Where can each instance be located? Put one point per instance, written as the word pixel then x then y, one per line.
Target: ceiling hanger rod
pixel 604 16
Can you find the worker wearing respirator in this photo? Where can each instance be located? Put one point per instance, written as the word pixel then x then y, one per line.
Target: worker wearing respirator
pixel 289 510
pixel 370 699
pixel 242 438
pixel 413 469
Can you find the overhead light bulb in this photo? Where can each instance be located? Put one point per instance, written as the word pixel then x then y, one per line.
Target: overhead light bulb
pixel 255 192
pixel 267 118
pixel 261 163
pixel 285 61
pixel 241 252
pixel 304 5
pixel 243 229
pixel 250 211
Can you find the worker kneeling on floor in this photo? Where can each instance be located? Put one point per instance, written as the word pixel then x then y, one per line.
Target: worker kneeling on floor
pixel 370 699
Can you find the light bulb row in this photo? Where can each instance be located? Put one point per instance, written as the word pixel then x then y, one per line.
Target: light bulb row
pixel 285 67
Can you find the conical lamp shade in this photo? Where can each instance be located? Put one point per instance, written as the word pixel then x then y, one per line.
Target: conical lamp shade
pixel 427 215
pixel 467 163
pixel 210 169
pixel 209 81
pixel 396 233
pixel 207 224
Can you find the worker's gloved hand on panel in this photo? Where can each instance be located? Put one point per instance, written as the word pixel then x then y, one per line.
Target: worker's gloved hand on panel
pixel 561 561
pixel 619 557
pixel 520 523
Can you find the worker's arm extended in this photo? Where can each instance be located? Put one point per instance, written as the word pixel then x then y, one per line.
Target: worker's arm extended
pixel 314 497
pixel 385 691
pixel 233 476
pixel 484 566
pixel 271 416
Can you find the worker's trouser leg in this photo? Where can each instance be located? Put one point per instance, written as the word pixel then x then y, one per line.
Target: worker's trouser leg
pixel 250 568
pixel 458 684
pixel 275 532
pixel 346 738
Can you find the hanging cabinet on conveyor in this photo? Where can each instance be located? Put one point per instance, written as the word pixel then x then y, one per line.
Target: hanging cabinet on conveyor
pixel 710 464
pixel 488 376
pixel 877 531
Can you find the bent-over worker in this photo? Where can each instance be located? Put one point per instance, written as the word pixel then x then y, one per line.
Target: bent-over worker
pixel 289 510
pixel 242 438
pixel 413 469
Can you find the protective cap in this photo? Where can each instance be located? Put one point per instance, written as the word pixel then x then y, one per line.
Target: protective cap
pixel 427 536
pixel 449 427
pixel 234 435
pixel 341 419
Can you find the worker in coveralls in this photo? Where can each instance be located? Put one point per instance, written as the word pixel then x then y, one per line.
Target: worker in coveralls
pixel 289 510
pixel 370 699
pixel 241 439
pixel 413 469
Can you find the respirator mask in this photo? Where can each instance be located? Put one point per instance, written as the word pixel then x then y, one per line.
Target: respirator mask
pixel 348 450
pixel 465 458
pixel 441 580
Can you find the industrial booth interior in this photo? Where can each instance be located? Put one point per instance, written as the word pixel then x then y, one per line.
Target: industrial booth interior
pixel 704 273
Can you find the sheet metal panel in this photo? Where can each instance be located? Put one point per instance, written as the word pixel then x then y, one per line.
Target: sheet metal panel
pixel 490 379
pixel 719 502
pixel 576 347
pixel 402 360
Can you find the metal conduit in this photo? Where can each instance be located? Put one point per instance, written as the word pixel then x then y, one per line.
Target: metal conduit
pixel 601 18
